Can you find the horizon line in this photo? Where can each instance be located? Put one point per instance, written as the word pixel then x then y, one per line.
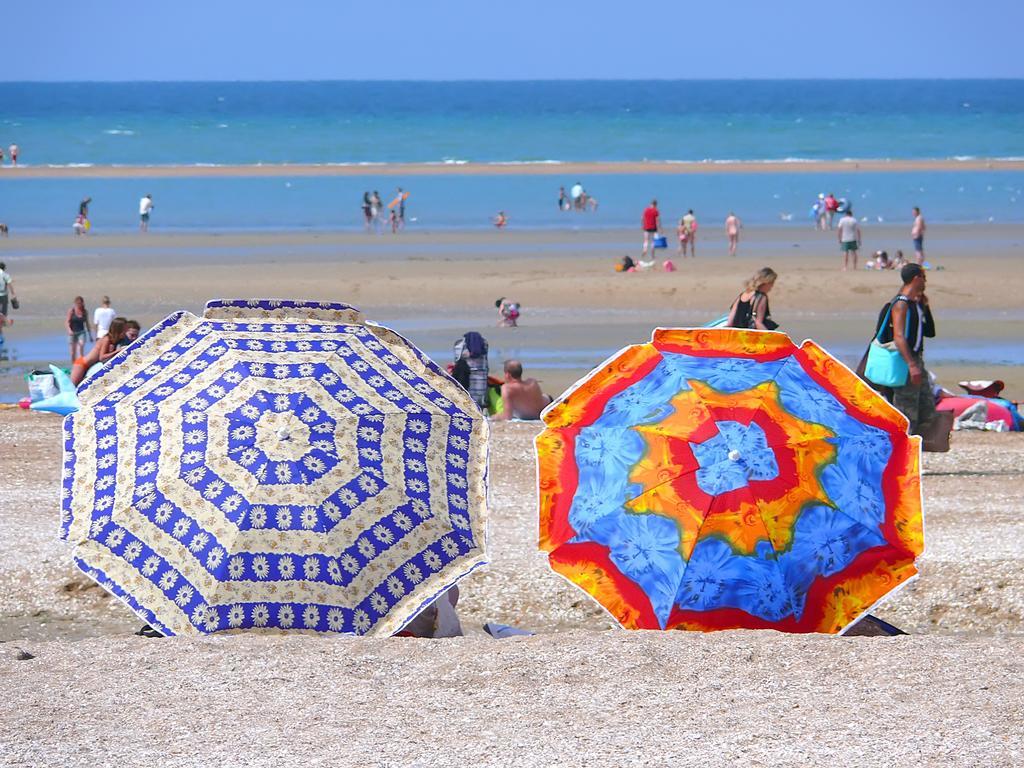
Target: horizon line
pixel 46 81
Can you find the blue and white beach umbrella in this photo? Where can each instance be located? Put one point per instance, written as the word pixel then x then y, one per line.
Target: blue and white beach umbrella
pixel 278 465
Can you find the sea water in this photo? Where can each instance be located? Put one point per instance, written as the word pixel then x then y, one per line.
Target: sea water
pixel 371 123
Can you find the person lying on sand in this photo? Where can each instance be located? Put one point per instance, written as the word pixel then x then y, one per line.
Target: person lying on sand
pixel 104 349
pixel 521 398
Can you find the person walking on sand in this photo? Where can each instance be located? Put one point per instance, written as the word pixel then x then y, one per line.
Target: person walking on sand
pixel 77 325
pixel 520 398
pixel 683 233
pixel 102 317
pixel 690 222
pixel 145 206
pixel 917 235
pixel 733 225
pixel 848 232
pixel 910 324
pixel 7 296
pixel 650 222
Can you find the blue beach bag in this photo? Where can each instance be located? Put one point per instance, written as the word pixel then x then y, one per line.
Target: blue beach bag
pixel 885 365
pixel 660 241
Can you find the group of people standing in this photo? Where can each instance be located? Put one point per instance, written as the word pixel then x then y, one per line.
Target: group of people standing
pixel 578 199
pixel 12 153
pixel 376 215
pixel 107 330
pixel 83 224
pixel 686 231
pixel 849 235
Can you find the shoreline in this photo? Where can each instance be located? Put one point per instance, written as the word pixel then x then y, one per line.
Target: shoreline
pixel 520 168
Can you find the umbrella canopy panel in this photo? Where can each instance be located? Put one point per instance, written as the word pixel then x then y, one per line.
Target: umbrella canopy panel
pixel 279 465
pixel 721 478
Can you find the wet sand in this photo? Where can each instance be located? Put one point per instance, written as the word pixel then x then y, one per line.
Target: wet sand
pixel 433 286
pixel 503 169
pixel 580 692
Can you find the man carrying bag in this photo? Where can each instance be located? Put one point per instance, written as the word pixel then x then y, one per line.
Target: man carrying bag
pixel 904 324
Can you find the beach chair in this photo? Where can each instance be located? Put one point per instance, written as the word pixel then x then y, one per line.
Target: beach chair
pixel 471 369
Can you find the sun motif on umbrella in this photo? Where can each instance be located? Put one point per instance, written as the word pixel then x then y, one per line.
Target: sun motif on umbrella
pixel 721 478
pixel 275 465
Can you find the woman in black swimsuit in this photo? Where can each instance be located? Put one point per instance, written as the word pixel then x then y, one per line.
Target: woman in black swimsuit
pixel 750 309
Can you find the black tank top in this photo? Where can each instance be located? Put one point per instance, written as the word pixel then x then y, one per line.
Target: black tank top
pixel 744 317
pixel 77 323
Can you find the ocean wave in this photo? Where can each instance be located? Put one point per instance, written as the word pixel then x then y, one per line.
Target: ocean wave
pixel 525 162
pixel 119 132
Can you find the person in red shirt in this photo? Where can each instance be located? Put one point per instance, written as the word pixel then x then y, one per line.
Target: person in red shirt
pixel 650 222
pixel 831 206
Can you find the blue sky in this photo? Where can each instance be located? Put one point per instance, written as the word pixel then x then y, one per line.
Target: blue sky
pixel 457 39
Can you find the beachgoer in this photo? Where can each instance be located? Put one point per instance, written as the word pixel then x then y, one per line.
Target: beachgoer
pixel 898 261
pixel 1 155
pixel 145 206
pixel 401 207
pixel 13 150
pixel 848 232
pixel 690 222
pixel 750 309
pixel 820 212
pixel 79 227
pixel 500 220
pixel 83 207
pixel 102 350
pixel 102 317
pixel 910 324
pixel 377 208
pixel 5 231
pixel 733 225
pixel 393 220
pixel 521 398
pixel 831 206
pixel 77 325
pixel 683 233
pixel 917 235
pixel 7 295
pixel 579 197
pixel 881 261
pixel 367 211
pixel 563 200
pixel 132 329
pixel 650 222
pixel 508 313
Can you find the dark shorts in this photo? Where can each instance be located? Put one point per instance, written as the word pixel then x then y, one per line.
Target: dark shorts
pixel 918 243
pixel 650 231
pixel 144 216
pixel 3 304
pixel 849 246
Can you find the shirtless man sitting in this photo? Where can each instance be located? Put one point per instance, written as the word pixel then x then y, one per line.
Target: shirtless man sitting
pixel 521 398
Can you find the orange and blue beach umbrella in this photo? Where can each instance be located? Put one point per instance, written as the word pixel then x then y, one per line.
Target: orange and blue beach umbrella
pixel 722 478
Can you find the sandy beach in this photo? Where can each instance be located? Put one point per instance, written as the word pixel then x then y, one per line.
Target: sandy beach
pixel 578 692
pixel 433 286
pixel 581 691
pixel 465 168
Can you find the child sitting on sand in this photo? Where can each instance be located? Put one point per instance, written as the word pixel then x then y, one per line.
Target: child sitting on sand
pixel 508 313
